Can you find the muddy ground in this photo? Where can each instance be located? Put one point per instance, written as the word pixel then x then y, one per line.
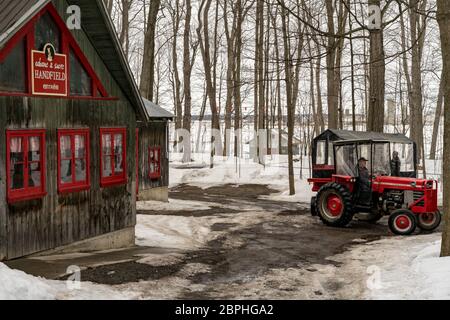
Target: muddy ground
pixel 254 261
pixel 257 249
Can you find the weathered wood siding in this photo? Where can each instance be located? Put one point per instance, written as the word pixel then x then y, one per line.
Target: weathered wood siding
pixel 58 220
pixel 152 135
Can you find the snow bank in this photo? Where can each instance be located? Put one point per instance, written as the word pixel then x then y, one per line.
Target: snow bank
pixel 405 268
pixel 17 285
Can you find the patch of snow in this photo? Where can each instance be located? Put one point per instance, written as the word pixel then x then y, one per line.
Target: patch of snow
pixel 17 285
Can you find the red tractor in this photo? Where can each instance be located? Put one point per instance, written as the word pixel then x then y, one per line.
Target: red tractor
pixel 371 175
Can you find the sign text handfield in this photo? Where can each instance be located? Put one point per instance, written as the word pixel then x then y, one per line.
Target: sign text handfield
pixel 49 77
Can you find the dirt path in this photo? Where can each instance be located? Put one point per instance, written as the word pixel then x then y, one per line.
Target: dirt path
pixel 282 254
pixel 256 249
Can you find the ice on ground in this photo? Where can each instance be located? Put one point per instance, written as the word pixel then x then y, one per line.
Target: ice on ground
pixel 171 232
pixel 174 205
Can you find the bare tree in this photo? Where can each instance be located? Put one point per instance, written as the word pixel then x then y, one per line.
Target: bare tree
pixel 443 17
pixel 148 63
pixel 204 40
pixel 437 120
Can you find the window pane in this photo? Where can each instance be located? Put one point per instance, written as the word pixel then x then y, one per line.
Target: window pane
pixel 107 167
pixel 12 70
pixel 80 147
pixel 80 170
pixel 118 164
pixel 47 32
pixel 118 154
pixel 346 161
pixel 16 149
pixel 16 163
pixel 66 171
pixel 321 152
pixel 65 147
pixel 17 176
pixel 34 149
pixel 381 159
pixel 118 143
pixel 106 143
pixel 34 174
pixel 80 81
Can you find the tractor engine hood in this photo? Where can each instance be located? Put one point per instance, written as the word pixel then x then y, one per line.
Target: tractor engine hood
pixel 387 182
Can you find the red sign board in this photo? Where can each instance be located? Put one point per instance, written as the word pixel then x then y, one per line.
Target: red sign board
pixel 49 72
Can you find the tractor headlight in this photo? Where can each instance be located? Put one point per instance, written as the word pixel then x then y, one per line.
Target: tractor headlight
pixel 413 184
pixel 429 185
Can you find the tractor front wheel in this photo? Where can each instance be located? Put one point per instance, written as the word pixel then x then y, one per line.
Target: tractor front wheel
pixel 334 205
pixel 429 221
pixel 402 222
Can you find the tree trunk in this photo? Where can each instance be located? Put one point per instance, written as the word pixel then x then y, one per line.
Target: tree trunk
pixel 289 96
pixel 148 63
pixel 437 120
pixel 375 117
pixel 443 17
pixel 206 55
pixel 175 12
pixel 332 94
pixel 187 68
pixel 125 31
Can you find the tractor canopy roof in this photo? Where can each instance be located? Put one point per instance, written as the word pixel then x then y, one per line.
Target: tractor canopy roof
pixel 337 135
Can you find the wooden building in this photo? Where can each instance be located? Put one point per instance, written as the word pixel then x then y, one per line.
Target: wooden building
pixel 153 154
pixel 69 109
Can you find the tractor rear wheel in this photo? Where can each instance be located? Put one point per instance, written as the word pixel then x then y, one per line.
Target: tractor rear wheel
pixel 334 205
pixel 429 221
pixel 402 222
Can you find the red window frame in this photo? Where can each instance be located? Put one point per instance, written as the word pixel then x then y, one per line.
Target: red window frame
pixel 27 192
pixel 155 174
pixel 67 42
pixel 74 186
pixel 113 179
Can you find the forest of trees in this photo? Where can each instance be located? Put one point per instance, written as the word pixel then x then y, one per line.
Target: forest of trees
pixel 272 62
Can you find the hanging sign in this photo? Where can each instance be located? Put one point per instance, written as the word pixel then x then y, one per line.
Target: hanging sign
pixel 49 72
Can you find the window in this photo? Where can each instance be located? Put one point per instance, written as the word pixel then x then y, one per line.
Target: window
pixel 46 31
pixel 80 81
pixel 321 152
pixel 25 165
pixel 154 162
pixel 49 27
pixel 12 70
pixel 346 160
pixel 113 156
pixel 73 160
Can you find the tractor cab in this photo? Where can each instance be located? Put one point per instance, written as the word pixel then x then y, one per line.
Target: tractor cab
pixel 371 175
pixel 359 162
pixel 323 164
